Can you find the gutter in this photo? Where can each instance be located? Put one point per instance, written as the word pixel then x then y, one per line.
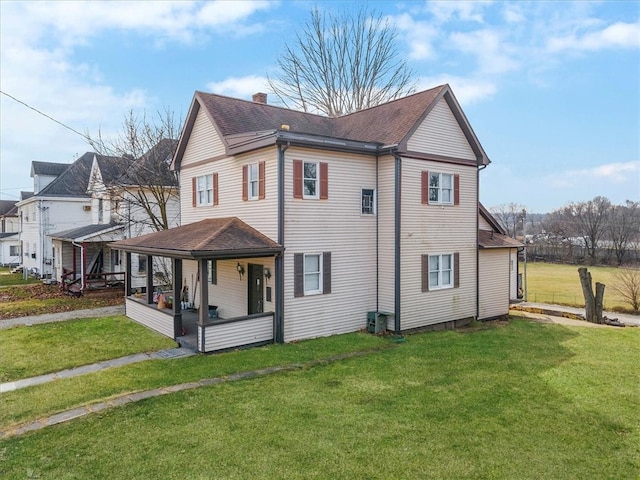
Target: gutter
pixel 481 167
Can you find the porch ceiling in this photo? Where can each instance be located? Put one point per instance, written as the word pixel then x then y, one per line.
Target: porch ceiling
pixel 211 238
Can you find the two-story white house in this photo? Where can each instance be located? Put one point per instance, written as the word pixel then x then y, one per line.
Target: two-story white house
pixel 296 225
pixel 128 197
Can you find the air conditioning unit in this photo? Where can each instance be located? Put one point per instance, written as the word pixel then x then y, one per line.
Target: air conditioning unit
pixel 87 208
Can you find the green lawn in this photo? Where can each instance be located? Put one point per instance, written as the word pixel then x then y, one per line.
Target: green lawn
pixel 560 284
pixel 51 347
pixel 523 400
pixel 8 278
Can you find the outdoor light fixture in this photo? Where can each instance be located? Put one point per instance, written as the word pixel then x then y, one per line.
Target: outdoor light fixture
pixel 267 273
pixel 240 269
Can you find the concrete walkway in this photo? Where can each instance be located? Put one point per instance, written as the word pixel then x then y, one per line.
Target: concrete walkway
pixel 62 316
pixel 558 312
pixel 95 367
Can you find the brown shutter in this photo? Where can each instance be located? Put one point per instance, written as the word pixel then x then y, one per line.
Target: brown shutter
pixel 193 192
pixel 456 189
pixel 324 181
pixel 425 273
pixel 245 187
pixel 326 272
pixel 261 180
pixel 456 270
pixel 297 179
pixel 213 265
pixel 298 275
pixel 215 188
pixel 425 188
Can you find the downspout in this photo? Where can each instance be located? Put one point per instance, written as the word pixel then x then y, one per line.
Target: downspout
pixel 397 239
pixel 279 320
pixel 481 167
pixel 377 240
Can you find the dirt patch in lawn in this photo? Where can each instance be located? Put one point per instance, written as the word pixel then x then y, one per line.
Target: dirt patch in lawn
pixel 36 299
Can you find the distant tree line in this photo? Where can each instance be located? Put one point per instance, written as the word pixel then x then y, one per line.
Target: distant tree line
pixel 594 232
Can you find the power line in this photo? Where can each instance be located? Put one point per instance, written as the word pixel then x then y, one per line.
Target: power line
pixel 47 116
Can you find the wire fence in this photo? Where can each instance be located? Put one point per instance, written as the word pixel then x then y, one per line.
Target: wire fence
pixel 564 299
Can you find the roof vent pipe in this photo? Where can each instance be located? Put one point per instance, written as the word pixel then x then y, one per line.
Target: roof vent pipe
pixel 260 98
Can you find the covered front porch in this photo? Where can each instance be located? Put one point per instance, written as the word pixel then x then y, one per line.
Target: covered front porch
pixel 223 292
pixel 84 260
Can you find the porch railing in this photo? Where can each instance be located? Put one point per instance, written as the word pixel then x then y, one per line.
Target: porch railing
pixel 236 332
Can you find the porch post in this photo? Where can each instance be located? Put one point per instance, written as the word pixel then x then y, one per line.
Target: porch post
pixel 127 274
pixel 149 279
pixel 83 266
pixel 177 288
pixel 204 292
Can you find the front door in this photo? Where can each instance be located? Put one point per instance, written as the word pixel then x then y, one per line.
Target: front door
pixel 255 289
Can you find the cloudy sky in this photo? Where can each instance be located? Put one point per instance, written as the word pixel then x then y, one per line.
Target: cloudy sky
pixel 550 88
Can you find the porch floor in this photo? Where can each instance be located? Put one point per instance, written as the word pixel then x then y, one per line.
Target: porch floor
pixel 190 328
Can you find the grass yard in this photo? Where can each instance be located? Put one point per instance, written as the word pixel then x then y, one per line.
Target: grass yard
pixel 523 400
pixel 51 347
pixel 8 278
pixel 560 284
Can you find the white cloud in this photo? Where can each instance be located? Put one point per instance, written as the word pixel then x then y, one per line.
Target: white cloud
pixel 493 52
pixel 466 10
pixel 617 172
pixel 466 90
pixel 239 87
pixel 617 35
pixel 419 35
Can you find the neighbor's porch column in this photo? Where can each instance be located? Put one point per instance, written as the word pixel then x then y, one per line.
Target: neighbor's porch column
pixel 203 315
pixel 149 279
pixel 127 274
pixel 83 266
pixel 177 289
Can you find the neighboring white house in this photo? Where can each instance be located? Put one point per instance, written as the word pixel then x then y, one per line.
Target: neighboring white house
pixel 118 211
pixel 9 234
pixel 296 225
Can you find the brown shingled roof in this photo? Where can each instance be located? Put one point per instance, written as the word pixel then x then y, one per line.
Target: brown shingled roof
pixel 488 239
pixel 212 238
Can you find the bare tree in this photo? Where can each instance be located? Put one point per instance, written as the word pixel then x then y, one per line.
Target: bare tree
pixel 511 216
pixel 624 228
pixel 341 64
pixel 627 285
pixel 146 188
pixel 587 221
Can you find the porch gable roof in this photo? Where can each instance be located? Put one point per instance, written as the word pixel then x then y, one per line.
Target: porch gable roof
pixel 227 237
pixel 87 232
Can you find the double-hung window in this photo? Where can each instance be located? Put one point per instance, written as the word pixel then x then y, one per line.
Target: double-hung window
pixel 440 271
pixel 254 181
pixel 368 201
pixel 204 190
pixel 312 273
pixel 310 180
pixel 441 188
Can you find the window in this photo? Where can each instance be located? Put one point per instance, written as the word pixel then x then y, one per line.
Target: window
pixel 440 188
pixel 310 180
pixel 254 181
pixel 142 264
pixel 100 210
pixel 115 257
pixel 312 274
pixel 368 201
pixel 440 271
pixel 204 190
pixel 14 250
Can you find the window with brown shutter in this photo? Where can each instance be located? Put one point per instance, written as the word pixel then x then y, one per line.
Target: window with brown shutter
pixel 311 274
pixel 440 271
pixel 245 184
pixel 297 179
pixel 261 184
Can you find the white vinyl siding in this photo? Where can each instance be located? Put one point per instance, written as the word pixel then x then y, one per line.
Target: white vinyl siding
pixel 204 142
pixel 334 225
pixel 386 242
pixel 152 318
pixel 433 231
pixel 261 215
pixel 440 134
pixel 494 282
pixel 236 334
